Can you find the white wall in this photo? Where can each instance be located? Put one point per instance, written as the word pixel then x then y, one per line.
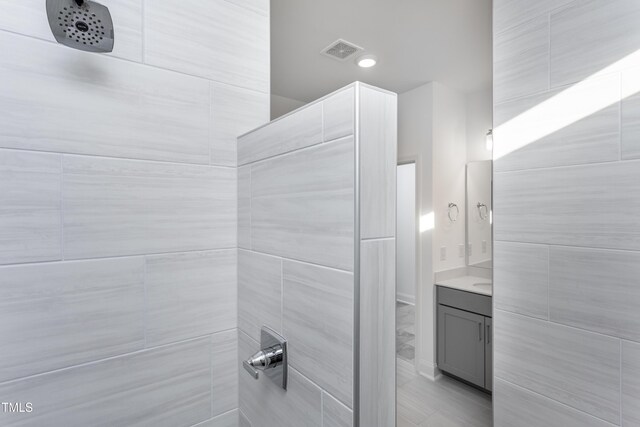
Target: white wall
pixel 406 233
pixel 449 162
pixel 281 105
pixel 479 119
pixel 415 139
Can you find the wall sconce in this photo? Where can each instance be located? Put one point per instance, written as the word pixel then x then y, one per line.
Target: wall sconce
pixel 489 139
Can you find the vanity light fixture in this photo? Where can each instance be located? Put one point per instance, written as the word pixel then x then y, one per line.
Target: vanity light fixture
pixel 366 61
pixel 490 140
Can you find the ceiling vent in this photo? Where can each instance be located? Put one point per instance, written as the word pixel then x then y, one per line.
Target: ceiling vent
pixel 341 50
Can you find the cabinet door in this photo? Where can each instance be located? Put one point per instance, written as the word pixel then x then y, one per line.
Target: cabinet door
pixel 488 354
pixel 461 344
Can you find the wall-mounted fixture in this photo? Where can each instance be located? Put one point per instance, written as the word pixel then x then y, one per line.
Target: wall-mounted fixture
pixel 453 212
pixel 81 24
pixel 489 140
pixel 366 61
pixel 483 211
pixel 270 359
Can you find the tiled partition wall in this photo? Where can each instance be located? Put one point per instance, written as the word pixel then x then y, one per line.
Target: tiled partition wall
pixel 118 241
pixel 567 198
pixel 300 263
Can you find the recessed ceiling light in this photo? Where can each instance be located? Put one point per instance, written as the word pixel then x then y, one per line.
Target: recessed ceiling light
pixel 366 61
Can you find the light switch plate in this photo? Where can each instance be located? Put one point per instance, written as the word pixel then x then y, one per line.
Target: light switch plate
pixel 470 250
pixel 443 253
pixel 484 246
pixel 461 251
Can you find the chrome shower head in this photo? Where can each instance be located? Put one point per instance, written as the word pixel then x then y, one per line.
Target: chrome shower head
pixel 81 24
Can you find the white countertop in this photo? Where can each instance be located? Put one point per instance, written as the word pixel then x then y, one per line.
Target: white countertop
pixel 466 283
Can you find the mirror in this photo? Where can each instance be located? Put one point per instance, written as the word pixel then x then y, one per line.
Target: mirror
pixel 479 214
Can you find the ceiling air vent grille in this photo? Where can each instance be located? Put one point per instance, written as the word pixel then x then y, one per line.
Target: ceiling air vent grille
pixel 341 50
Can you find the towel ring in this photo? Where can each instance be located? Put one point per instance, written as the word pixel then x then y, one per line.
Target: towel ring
pixel 453 212
pixel 483 211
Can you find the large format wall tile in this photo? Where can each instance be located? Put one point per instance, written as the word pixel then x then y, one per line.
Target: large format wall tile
pixel 259 293
pixel 630 115
pixel 215 39
pixel 123 207
pixel 29 17
pixel 234 111
pixel 317 316
pixel 266 404
pixel 377 332
pixel 593 139
pixel 30 223
pixel 378 166
pixel 630 383
pixel 521 408
pixel 510 13
pixel 339 115
pixel 591 35
pixel 522 278
pixel 244 207
pixel 224 359
pixel 190 295
pixel 308 217
pixel 334 413
pixel 577 206
pixel 167 386
pixel 521 60
pixel 574 367
pixel 58 99
pixel 596 290
pixel 299 130
pixel 55 315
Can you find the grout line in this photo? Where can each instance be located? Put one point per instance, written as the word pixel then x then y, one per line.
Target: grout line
pixel 105 258
pixel 297 150
pixel 102 156
pixel 563 325
pixel 117 58
pixel 548 283
pixel 117 356
pixel 145 314
pixel 322 409
pixel 559 245
pixel 377 239
pixel 553 400
pixel 621 395
pixel 61 208
pixel 143 30
pixel 282 296
pixel 297 260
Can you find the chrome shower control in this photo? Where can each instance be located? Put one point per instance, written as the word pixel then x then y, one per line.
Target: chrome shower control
pixel 272 359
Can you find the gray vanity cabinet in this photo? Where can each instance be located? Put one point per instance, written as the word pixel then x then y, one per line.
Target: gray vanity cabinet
pixel 464 336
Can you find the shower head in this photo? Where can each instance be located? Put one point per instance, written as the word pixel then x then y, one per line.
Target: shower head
pixel 81 24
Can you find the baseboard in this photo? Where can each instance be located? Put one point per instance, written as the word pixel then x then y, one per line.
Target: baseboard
pixel 428 370
pixel 406 298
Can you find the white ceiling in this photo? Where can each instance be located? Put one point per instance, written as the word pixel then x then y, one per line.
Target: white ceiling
pixel 416 41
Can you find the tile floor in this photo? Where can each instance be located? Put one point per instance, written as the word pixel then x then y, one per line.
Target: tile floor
pixel 425 403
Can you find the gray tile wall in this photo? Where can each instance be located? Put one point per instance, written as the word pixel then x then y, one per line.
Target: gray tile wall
pixel 118 242
pixel 296 198
pixel 567 236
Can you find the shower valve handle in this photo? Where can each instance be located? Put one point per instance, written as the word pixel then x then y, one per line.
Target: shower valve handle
pixel 271 359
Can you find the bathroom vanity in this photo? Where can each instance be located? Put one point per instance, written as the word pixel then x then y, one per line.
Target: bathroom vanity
pixel 464 329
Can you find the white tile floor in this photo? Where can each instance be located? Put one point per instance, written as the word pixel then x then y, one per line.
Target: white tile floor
pixel 441 403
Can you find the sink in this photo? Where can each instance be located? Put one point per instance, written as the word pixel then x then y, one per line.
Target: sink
pixel 483 286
